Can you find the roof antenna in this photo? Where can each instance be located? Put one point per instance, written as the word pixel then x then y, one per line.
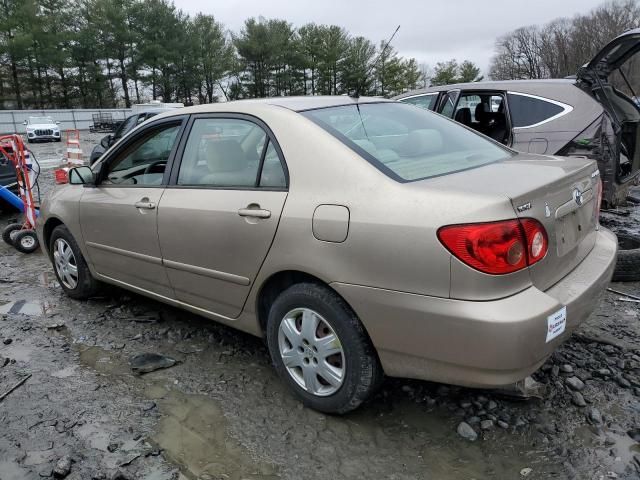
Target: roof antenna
pixel 360 86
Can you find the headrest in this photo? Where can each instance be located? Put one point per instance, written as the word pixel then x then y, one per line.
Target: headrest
pixel 463 116
pixel 225 156
pixel 480 113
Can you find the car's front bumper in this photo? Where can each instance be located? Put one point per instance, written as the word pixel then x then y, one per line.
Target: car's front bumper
pixel 478 344
pixel 34 137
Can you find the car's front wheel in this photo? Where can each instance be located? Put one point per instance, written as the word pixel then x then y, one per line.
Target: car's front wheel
pixel 70 266
pixel 321 350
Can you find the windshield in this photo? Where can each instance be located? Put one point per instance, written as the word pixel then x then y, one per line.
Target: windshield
pixel 406 142
pixel 41 120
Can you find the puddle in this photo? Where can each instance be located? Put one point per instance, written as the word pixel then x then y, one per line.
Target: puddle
pixel 104 362
pixel 48 280
pixel 192 430
pixel 193 433
pixel 26 307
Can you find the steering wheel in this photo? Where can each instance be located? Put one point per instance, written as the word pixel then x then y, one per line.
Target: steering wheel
pixel 151 166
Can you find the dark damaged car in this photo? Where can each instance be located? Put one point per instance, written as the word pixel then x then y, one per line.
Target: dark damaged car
pixel 594 115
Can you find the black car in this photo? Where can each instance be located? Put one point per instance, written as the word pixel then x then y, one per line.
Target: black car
pixel 125 127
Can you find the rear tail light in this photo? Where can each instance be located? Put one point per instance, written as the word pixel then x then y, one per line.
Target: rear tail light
pixel 596 212
pixel 61 176
pixel 497 247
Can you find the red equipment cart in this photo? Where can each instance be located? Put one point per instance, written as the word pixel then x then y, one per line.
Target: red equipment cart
pixel 22 236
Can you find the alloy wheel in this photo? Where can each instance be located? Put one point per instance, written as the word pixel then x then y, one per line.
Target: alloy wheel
pixel 65 263
pixel 311 352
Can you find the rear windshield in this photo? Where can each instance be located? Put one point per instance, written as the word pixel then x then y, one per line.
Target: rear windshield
pixel 405 142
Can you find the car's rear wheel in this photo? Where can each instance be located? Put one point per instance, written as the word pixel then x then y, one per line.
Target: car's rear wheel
pixel 70 266
pixel 321 350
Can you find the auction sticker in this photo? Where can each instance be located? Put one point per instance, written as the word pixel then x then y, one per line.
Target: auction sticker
pixel 556 322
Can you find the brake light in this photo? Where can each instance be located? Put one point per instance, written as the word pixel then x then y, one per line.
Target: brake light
pixel 497 247
pixel 596 212
pixel 61 176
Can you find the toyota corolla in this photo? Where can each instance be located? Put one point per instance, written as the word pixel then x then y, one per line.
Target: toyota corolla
pixel 359 237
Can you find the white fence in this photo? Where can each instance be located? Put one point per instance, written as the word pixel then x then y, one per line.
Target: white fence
pixel 11 121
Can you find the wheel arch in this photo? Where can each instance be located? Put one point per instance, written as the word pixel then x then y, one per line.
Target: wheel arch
pixel 278 282
pixel 47 230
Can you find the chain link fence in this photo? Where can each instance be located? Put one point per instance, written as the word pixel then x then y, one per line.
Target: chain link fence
pixel 12 121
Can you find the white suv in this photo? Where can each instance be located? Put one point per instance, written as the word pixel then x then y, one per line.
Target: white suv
pixel 42 128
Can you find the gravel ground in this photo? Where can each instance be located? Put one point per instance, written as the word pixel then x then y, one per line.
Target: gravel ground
pixel 221 413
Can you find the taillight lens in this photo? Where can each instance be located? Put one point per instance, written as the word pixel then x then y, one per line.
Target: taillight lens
pixel 497 247
pixel 596 212
pixel 61 176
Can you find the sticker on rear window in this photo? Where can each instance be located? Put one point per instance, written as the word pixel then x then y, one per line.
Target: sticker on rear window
pixel 556 323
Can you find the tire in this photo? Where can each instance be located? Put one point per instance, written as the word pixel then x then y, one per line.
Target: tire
pixel 84 285
pixel 628 263
pixel 9 232
pixel 26 241
pixel 357 361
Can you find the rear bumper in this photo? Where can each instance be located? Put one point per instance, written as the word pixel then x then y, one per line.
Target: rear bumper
pixel 478 344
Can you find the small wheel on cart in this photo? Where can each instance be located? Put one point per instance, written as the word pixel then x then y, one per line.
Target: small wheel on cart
pixel 26 241
pixel 9 232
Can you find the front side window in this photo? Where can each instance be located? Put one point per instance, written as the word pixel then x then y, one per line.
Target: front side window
pixel 527 111
pixel 229 152
pixel 427 101
pixel 144 161
pixel 407 143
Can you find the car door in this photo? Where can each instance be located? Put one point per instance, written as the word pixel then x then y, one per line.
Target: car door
pixel 218 216
pixel 119 215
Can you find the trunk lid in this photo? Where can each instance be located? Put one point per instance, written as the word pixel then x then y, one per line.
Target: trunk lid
pixel 559 192
pixel 611 57
pixel 567 208
pixel 611 78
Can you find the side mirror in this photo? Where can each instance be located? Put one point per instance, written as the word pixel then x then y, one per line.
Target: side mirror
pixel 57 123
pixel 106 141
pixel 81 175
pixel 24 123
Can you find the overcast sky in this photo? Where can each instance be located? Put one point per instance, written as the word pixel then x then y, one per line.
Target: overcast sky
pixel 430 30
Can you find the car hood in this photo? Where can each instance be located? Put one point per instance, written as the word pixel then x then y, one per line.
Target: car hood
pixel 611 57
pixel 43 126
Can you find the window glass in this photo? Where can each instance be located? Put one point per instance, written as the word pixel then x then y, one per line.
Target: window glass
pixel 449 103
pixel 407 143
pixel 526 111
pixel 125 126
pixel 427 101
pixel 144 162
pixel 272 172
pixel 222 152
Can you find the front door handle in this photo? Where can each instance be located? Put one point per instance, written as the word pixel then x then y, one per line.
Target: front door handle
pixel 147 205
pixel 254 212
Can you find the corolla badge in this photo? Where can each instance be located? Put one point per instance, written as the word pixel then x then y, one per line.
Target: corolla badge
pixel 577 196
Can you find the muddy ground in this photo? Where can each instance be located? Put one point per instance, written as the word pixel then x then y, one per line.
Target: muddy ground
pixel 221 412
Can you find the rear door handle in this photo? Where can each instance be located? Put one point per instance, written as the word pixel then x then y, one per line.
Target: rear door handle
pixel 254 212
pixel 145 205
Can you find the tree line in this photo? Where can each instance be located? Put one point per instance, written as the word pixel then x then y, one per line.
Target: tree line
pixel 559 48
pixel 108 53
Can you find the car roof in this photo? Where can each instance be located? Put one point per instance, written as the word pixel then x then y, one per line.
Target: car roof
pixel 296 104
pixel 492 85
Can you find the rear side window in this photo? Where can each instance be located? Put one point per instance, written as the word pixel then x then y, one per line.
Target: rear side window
pixel 407 143
pixel 230 152
pixel 527 111
pixel 427 101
